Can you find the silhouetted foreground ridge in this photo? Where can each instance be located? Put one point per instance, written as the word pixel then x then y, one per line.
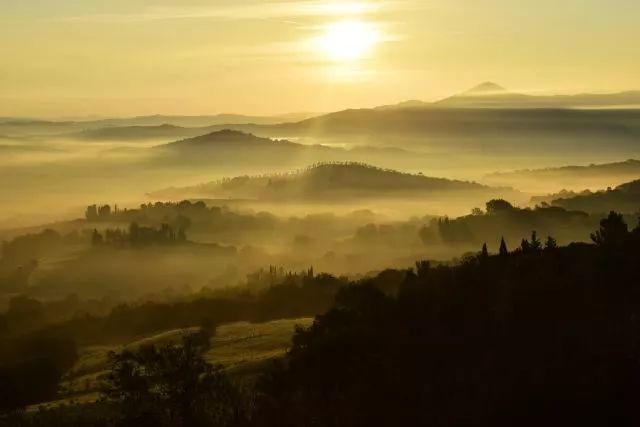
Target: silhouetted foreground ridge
pixel 540 335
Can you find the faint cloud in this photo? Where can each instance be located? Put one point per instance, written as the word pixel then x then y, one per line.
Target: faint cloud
pixel 257 10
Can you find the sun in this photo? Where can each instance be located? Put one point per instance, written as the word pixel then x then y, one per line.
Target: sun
pixel 348 40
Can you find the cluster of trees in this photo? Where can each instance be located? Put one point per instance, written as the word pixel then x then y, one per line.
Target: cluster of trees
pixel 173 386
pixel 264 279
pixel 95 212
pixel 184 215
pixel 502 218
pixel 139 236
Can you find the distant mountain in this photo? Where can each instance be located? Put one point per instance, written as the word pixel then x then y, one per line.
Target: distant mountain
pixel 500 126
pixel 412 103
pixel 125 133
pixel 624 198
pixel 202 121
pixel 491 95
pixel 329 181
pixel 486 89
pixel 142 125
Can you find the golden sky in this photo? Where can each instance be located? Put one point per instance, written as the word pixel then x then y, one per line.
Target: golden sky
pixel 129 57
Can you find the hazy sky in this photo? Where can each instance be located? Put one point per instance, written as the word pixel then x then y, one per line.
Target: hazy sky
pixel 126 57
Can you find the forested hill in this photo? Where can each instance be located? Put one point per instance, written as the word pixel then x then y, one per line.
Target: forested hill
pixel 537 336
pixel 624 198
pixel 330 180
pixel 227 138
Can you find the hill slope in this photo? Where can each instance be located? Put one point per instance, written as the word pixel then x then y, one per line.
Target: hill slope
pixel 228 139
pixel 575 178
pixel 329 180
pixel 624 198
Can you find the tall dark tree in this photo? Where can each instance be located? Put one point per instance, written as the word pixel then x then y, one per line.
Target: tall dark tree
pixel 91 213
pixel 484 255
pixel 503 248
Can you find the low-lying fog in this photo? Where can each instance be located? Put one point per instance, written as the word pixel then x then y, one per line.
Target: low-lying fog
pixel 293 203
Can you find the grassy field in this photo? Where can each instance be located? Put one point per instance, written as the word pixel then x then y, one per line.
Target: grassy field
pixel 242 348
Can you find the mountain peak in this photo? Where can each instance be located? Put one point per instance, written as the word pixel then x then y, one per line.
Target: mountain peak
pixel 486 88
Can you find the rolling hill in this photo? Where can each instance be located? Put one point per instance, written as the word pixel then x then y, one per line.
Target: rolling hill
pixel 329 181
pixel 228 139
pixel 124 133
pixel 624 198
pixel 576 178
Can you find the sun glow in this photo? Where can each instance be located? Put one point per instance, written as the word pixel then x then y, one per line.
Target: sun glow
pixel 348 40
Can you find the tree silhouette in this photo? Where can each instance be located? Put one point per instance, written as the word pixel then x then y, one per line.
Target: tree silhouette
pixel 172 385
pixel 484 255
pixel 550 244
pixel 503 248
pixel 613 231
pixel 536 244
pixel 496 206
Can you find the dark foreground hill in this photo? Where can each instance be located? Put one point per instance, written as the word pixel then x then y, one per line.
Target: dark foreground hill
pixel 539 335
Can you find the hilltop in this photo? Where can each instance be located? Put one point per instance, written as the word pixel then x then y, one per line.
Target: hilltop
pixel 227 138
pixel 329 180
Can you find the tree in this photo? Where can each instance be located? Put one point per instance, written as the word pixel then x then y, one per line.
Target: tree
pixel 484 255
pixel 536 244
pixel 476 212
pixel 613 231
pixel 503 248
pixel 422 268
pixel 172 385
pixel 91 213
pixel 496 206
pixel 104 211
pixel 525 246
pixel 551 244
